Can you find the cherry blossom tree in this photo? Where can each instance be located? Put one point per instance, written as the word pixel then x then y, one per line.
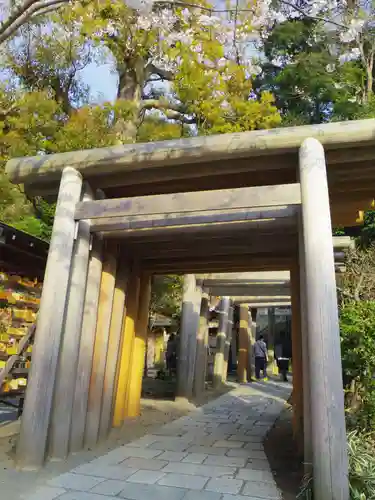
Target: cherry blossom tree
pixel 201 55
pixel 15 14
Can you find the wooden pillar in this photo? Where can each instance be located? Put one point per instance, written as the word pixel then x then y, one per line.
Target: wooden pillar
pixel 194 333
pixel 127 340
pixel 297 397
pixel 95 399
pixel 330 461
pixel 271 337
pixel 220 342
pixel 234 343
pixel 86 348
pixel 114 342
pixel 252 332
pixel 189 325
pixel 62 406
pixel 201 351
pixel 134 390
pixel 243 347
pixel 228 341
pixel 307 444
pixel 37 409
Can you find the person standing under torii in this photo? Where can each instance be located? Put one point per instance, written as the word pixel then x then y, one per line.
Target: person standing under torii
pixel 261 358
pixel 282 356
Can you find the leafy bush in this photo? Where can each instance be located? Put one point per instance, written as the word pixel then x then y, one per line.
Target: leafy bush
pixel 357 325
pixel 361 469
pixel 361 466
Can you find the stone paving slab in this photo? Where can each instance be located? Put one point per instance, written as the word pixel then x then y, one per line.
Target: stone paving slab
pixel 194 458
pixel 47 493
pixel 110 487
pixel 225 485
pixel 154 492
pixel 199 469
pixel 105 471
pixel 214 453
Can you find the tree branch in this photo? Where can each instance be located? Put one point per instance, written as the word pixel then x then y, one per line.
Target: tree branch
pixel 21 14
pixel 164 74
pixel 9 111
pixel 358 287
pixel 171 111
pixel 345 293
pixel 314 18
pixel 208 9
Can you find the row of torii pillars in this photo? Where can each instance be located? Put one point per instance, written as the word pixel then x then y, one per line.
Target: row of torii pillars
pixel 192 363
pixel 194 340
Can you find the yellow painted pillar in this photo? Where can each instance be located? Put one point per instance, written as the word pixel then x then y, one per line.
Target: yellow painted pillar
pixel 133 399
pixel 297 357
pixel 126 347
pixel 243 344
pixel 95 395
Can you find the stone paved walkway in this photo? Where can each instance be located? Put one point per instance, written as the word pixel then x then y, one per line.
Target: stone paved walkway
pixel 214 453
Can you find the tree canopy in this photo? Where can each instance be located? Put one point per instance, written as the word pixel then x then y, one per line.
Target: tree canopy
pixel 182 69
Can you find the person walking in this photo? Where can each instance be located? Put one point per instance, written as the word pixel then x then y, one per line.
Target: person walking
pixel 281 357
pixel 260 355
pixel 171 354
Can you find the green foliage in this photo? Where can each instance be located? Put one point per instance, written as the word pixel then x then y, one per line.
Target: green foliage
pixel 45 107
pixel 18 211
pixel 361 469
pixel 220 99
pixel 302 72
pixel 338 231
pixel 153 129
pixel 296 71
pixel 357 327
pixel 361 465
pixel 166 295
pixel 368 231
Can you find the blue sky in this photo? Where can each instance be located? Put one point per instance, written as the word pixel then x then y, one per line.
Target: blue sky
pixel 101 80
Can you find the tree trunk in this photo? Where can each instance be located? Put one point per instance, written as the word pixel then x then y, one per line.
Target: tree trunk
pixel 131 81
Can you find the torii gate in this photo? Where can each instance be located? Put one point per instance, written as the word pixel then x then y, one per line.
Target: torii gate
pixel 247 290
pixel 103 250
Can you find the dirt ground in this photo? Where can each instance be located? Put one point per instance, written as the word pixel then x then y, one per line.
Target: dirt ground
pixel 281 451
pixel 158 408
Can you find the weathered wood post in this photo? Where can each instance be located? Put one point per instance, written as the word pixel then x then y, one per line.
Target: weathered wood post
pixel 35 421
pixel 330 461
pixel 220 341
pixel 228 340
pixel 86 348
pixel 189 325
pixel 114 343
pixel 201 352
pixel 132 301
pixel 243 344
pixel 95 398
pixel 194 334
pixel 307 443
pixel 252 332
pixel 234 342
pixel 271 338
pixel 62 406
pixel 134 390
pixel 297 357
